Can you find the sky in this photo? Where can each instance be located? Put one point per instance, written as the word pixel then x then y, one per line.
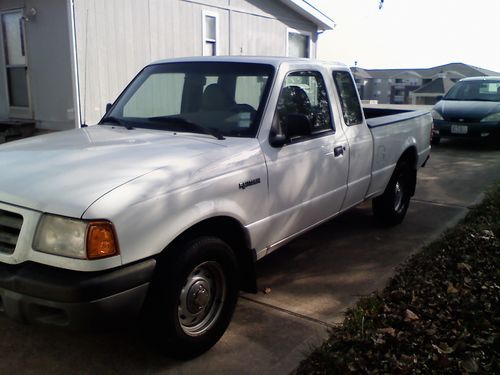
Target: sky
pixel 411 33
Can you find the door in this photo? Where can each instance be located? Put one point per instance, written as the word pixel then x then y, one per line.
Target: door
pixel 308 175
pixel 359 138
pixel 16 68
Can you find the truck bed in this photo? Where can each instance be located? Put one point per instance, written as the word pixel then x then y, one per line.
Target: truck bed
pixel 384 116
pixel 390 142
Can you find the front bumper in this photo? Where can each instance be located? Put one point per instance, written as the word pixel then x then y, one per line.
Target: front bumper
pixel 443 128
pixel 36 293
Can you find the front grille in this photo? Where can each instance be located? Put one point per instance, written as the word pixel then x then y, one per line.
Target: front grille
pixel 463 120
pixel 10 226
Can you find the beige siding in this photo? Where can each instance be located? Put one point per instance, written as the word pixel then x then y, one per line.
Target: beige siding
pixel 113 43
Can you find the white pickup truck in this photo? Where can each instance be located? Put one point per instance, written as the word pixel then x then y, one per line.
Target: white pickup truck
pixel 200 168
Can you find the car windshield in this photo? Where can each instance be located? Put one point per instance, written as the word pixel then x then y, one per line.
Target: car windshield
pixel 218 98
pixel 487 90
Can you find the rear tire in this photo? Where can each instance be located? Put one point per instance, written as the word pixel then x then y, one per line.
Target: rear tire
pixel 390 208
pixel 193 296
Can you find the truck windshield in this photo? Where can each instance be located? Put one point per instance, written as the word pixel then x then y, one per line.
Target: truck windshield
pixel 487 91
pixel 218 98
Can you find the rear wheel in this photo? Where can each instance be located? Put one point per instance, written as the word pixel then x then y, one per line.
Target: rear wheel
pixel 194 296
pixel 390 208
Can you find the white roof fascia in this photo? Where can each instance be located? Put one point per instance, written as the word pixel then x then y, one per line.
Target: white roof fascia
pixel 311 13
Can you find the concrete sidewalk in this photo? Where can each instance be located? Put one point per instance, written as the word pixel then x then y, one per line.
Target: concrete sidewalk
pixel 312 281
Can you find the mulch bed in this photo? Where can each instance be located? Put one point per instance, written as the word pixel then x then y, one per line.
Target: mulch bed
pixel 439 314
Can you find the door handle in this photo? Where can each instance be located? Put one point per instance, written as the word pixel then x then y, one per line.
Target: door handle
pixel 338 151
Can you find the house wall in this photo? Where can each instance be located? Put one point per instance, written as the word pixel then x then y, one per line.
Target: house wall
pixel 49 64
pixel 116 38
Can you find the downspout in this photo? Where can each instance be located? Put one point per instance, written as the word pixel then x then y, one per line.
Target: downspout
pixel 74 64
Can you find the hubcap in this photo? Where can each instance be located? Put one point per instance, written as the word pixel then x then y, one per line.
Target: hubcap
pixel 398 197
pixel 198 297
pixel 201 298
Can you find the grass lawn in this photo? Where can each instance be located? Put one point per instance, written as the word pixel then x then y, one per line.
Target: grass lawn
pixel 440 313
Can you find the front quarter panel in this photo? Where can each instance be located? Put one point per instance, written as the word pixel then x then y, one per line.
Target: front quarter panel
pixel 150 212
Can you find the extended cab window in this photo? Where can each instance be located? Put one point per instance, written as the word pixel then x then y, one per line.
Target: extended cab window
pixel 304 96
pixel 351 109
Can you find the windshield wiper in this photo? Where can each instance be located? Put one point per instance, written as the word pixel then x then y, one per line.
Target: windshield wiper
pixel 116 120
pixel 192 126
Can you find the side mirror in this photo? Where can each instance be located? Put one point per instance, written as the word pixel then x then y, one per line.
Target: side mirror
pixel 297 125
pixel 108 107
pixel 293 126
pixel 439 98
pixel 278 140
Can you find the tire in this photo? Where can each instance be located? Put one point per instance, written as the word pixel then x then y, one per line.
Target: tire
pixel 193 296
pixel 390 208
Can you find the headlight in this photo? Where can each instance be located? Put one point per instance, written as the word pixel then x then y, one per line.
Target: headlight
pixel 492 118
pixel 75 238
pixel 436 115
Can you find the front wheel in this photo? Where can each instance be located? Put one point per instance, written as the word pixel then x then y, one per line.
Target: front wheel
pixel 194 296
pixel 391 207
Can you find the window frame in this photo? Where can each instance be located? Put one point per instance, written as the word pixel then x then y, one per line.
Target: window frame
pixel 319 134
pixel 204 37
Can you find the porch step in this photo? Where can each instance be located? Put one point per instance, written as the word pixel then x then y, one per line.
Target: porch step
pixel 11 130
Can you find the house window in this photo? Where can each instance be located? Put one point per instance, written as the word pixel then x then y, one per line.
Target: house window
pixel 15 58
pixel 210 34
pixel 299 44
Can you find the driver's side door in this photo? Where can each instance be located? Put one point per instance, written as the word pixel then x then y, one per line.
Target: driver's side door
pixel 308 173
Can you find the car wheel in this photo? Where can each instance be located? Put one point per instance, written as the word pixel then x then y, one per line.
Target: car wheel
pixel 390 208
pixel 194 295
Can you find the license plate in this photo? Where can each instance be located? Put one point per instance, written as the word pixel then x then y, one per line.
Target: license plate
pixel 459 129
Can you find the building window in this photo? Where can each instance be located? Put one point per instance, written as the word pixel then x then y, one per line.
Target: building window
pixel 210 34
pixel 15 58
pixel 299 44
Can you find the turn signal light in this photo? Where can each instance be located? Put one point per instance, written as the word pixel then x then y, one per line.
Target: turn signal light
pixel 101 240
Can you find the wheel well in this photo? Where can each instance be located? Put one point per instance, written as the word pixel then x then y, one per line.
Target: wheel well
pixel 232 232
pixel 410 157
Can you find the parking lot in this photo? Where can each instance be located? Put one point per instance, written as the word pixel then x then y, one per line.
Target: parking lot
pixel 309 283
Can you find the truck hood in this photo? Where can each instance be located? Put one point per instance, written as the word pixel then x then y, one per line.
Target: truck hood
pixel 467 110
pixel 66 172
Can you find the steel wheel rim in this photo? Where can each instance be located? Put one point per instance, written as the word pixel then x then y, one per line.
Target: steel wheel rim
pixel 201 298
pixel 398 197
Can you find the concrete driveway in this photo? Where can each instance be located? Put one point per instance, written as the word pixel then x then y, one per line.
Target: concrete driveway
pixel 312 281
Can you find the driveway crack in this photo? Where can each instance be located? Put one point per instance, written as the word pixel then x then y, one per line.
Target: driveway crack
pixel 288 312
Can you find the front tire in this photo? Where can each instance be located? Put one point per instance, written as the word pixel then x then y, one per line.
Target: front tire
pixel 391 207
pixel 194 295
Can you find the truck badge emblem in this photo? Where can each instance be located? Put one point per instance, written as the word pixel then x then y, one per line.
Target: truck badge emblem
pixel 244 185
